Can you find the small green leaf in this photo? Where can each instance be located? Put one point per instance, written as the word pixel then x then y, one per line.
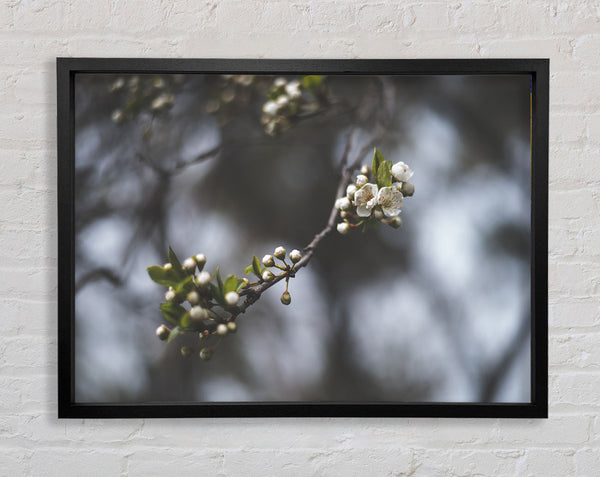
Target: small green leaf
pixel 378 159
pixel 232 283
pixel 174 332
pixel 186 321
pixel 185 286
pixel 173 259
pixel 256 266
pixel 384 176
pixel 248 269
pixel 312 82
pixel 219 280
pixel 172 312
pixel 217 294
pixel 167 278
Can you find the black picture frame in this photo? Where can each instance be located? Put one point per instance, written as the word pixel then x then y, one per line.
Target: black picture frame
pixel 67 68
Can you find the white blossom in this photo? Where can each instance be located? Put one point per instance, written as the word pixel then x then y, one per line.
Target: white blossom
pixel 350 190
pixel 232 298
pixel 221 329
pixel 203 278
pixel 280 252
pixel 268 261
pixel 270 108
pixel 293 89
pixel 361 180
pixel 167 266
pixel 200 258
pixel 267 276
pixel 189 263
pixel 390 200
pixel 343 203
pixel 279 82
pixel 295 255
pixel 198 313
pixel 193 297
pixel 170 295
pixel 343 228
pixel 401 171
pixel 365 199
pixel 282 101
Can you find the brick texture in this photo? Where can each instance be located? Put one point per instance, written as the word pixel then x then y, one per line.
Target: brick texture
pixel 34 442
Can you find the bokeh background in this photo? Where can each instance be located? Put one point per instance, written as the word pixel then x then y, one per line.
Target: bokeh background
pixel 435 311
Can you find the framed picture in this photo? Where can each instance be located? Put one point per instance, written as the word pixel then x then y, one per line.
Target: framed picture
pixel 302 237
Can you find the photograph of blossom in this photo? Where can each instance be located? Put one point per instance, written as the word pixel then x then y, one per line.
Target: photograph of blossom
pixel 302 238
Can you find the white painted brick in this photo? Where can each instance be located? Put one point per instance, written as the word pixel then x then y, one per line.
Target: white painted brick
pixel 34 33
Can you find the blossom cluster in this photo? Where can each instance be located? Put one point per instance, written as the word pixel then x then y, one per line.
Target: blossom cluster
pixel 232 92
pixel 201 302
pixel 287 100
pixel 381 200
pixel 144 93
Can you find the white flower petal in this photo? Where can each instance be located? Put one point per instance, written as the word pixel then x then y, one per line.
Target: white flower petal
pixel 363 211
pixel 401 171
pixel 390 199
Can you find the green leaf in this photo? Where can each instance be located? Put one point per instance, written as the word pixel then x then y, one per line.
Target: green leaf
pixel 217 294
pixel 378 159
pixel 232 283
pixel 256 266
pixel 384 176
pixel 172 312
pixel 248 270
pixel 174 332
pixel 312 83
pixel 185 286
pixel 186 321
pixel 219 280
pixel 180 272
pixel 167 278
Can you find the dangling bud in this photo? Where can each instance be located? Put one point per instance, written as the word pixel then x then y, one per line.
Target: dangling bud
pixel 206 354
pixel 267 276
pixel 295 256
pixel 222 329
pixel 286 298
pixel 396 222
pixel 365 170
pixel 200 260
pixel 408 189
pixel 170 295
pixel 232 298
pixel 193 297
pixel 186 351
pixel 202 279
pixel 198 313
pixel 189 264
pixel 268 261
pixel 280 253
pixel 343 228
pixel 163 332
pixel 232 327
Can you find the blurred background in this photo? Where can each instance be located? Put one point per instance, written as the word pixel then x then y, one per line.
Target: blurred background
pixel 436 311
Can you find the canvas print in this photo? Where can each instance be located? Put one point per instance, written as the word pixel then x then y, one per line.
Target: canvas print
pixel 302 238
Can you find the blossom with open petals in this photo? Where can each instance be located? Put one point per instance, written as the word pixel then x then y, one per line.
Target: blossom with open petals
pixel 365 199
pixel 401 171
pixel 390 200
pixel 293 89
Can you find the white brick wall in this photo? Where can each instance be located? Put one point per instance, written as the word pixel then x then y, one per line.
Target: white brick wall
pixel 34 442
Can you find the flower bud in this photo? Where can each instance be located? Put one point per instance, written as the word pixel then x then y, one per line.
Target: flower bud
pixel 343 228
pixel 206 354
pixel 280 253
pixel 270 108
pixel 232 298
pixel 365 170
pixel 267 276
pixel 396 222
pixel 170 295
pixel 295 256
pixel 232 327
pixel 344 214
pixel 279 82
pixel 286 298
pixel 343 203
pixel 193 297
pixel 408 189
pixel 189 264
pixel 361 180
pixel 200 260
pixel 186 351
pixel 282 101
pixel 246 282
pixel 222 329
pixel 167 266
pixel 350 190
pixel 163 332
pixel 203 278
pixel 268 261
pixel 378 214
pixel 198 313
